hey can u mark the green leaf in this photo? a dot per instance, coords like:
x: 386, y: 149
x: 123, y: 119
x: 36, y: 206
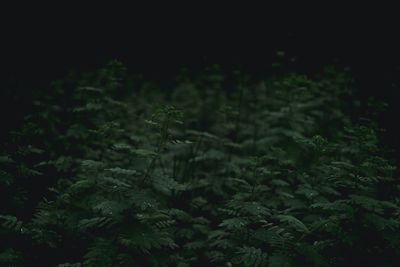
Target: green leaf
x: 294, y: 222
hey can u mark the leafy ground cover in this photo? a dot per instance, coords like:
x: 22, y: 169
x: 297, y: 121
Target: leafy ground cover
x: 110, y: 172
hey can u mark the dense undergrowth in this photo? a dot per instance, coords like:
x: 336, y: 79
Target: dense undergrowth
x: 274, y: 173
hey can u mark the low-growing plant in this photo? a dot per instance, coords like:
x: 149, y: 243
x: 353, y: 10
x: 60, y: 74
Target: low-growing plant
x: 273, y: 173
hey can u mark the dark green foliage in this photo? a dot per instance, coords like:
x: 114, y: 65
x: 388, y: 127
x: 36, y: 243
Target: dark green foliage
x: 270, y: 174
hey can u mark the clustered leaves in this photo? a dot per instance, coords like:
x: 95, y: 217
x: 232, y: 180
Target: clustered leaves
x: 108, y: 172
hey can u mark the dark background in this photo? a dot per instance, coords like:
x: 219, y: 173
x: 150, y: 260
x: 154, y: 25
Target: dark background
x: 32, y: 58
